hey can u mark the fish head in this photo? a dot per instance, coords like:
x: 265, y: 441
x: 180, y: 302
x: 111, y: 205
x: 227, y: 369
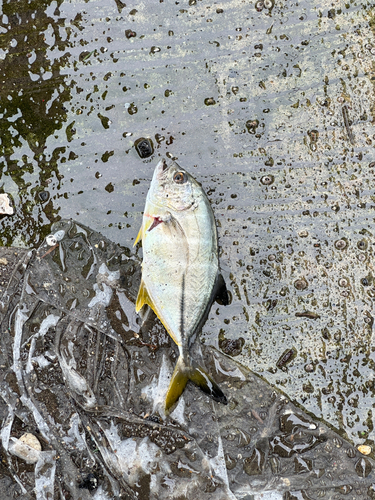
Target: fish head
x: 174, y: 189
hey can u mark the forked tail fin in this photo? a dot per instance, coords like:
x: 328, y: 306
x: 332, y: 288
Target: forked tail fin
x: 181, y: 374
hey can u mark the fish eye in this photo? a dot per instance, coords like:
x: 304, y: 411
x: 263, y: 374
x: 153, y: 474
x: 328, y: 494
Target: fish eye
x: 180, y: 177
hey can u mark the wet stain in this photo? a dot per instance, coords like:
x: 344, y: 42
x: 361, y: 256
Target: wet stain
x: 155, y: 50
x: 252, y: 125
x: 345, y: 114
x: 32, y: 109
x: 363, y: 467
x: 232, y: 347
x: 291, y: 422
x: 104, y: 120
x: 209, y: 101
x: 286, y: 358
x: 130, y: 34
x: 267, y: 180
x: 301, y: 284
x: 90, y: 482
x: 230, y: 462
x: 341, y: 244
x: 302, y: 465
x: 362, y: 245
x: 254, y: 464
x: 308, y: 314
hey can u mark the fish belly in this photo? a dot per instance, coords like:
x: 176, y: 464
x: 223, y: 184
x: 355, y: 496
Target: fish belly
x: 179, y: 272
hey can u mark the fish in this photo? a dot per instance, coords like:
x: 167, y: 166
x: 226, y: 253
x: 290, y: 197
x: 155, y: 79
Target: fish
x: 181, y: 277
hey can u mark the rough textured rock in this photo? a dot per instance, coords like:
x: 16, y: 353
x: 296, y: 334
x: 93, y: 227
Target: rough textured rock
x: 82, y: 375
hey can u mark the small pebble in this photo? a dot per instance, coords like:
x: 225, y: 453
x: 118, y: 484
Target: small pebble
x: 144, y: 147
x: 27, y: 448
x: 364, y: 449
x: 267, y: 180
x: 341, y: 244
x: 51, y: 240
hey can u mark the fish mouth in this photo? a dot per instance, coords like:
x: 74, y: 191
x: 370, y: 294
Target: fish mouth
x: 164, y: 165
x: 159, y: 178
x: 160, y: 170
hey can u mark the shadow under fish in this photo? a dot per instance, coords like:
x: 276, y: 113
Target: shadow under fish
x: 180, y: 270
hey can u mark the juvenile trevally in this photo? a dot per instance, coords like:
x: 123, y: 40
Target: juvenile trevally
x: 180, y: 269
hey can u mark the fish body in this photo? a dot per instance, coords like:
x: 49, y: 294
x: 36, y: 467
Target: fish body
x: 180, y: 269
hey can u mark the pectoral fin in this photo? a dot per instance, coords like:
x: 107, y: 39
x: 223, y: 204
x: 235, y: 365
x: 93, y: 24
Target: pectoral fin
x: 139, y: 236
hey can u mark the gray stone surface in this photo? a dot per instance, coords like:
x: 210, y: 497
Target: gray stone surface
x: 271, y: 110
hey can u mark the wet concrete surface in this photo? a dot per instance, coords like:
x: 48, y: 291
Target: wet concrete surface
x: 271, y: 109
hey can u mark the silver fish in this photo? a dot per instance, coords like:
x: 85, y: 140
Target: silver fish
x: 180, y: 269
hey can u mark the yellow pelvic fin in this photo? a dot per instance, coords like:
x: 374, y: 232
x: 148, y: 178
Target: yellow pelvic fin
x: 143, y: 298
x: 139, y: 236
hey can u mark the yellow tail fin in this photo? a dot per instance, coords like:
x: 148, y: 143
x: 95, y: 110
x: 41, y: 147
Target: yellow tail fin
x: 181, y: 374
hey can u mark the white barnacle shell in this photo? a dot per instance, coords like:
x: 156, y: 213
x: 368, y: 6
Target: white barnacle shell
x: 51, y: 240
x: 5, y: 206
x: 27, y: 447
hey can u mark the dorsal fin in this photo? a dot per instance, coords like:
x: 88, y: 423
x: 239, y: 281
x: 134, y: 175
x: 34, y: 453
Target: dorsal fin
x: 221, y: 292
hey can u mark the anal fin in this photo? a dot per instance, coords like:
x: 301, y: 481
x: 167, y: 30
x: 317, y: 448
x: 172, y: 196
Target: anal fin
x: 143, y: 298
